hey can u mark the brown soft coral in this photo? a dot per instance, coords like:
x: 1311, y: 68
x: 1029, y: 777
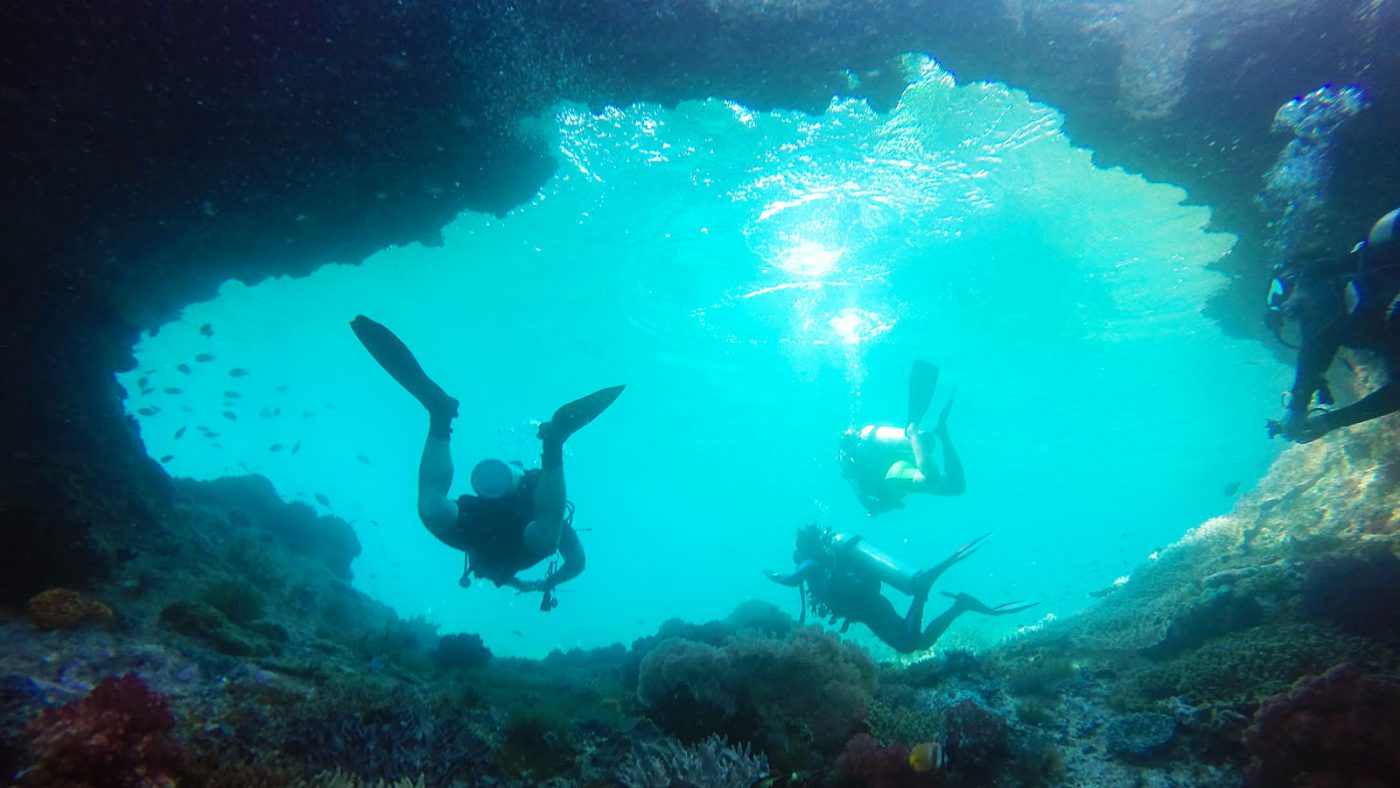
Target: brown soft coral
x: 64, y: 608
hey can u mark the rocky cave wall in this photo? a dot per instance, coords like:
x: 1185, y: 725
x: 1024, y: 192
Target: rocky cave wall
x: 155, y: 149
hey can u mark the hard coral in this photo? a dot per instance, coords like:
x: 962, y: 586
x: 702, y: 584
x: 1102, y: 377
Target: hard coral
x: 1337, y: 729
x: 64, y: 608
x: 120, y: 735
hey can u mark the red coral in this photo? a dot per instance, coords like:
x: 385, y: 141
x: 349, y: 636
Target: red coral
x: 873, y: 766
x: 1334, y: 730
x: 120, y: 735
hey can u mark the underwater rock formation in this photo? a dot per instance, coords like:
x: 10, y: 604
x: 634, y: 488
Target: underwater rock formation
x: 64, y: 608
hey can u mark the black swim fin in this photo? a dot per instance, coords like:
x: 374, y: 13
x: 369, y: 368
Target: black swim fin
x: 396, y: 359
x: 571, y: 417
x: 923, y: 382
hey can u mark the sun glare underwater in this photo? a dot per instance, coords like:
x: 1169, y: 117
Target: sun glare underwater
x: 761, y: 282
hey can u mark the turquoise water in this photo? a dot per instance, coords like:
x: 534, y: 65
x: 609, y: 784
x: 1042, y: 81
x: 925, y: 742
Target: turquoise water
x: 760, y: 281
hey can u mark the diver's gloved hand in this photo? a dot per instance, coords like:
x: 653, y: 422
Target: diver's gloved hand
x: 1299, y: 427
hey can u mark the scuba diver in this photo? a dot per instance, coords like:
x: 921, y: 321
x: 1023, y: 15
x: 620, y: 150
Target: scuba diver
x: 842, y: 575
x: 1351, y: 303
x: 884, y: 464
x: 518, y: 517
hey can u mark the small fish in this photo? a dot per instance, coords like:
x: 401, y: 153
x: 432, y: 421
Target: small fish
x: 330, y: 406
x: 232, y: 395
x: 180, y: 433
x: 306, y: 414
x: 207, y: 330
x: 210, y: 434
x: 184, y: 369
x: 230, y: 415
x: 362, y: 459
x: 204, y: 358
x: 146, y: 391
x: 186, y: 409
x: 1232, y: 488
x: 151, y: 411
x: 167, y: 458
x: 142, y: 382
x: 153, y: 332
x: 296, y: 447
x: 926, y: 757
x: 238, y: 372
x: 216, y: 445
x: 276, y: 447
x: 322, y: 499
x: 517, y: 633
x: 282, y: 389
x: 374, y: 523
x: 173, y: 390
x: 268, y: 413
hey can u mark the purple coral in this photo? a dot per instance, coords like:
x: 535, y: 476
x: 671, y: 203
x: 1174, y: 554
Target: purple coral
x: 1337, y: 729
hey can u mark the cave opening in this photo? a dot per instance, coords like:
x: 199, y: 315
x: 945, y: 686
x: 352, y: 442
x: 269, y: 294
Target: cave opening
x: 761, y: 281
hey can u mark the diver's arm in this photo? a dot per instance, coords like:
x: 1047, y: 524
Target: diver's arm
x: 1322, y: 320
x: 797, y: 576
x: 1383, y: 401
x: 571, y: 550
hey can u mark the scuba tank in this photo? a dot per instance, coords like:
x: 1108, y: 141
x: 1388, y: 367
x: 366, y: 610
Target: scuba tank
x: 855, y: 552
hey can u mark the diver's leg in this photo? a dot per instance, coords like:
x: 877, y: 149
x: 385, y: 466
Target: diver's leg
x: 939, y: 625
x: 435, y: 509
x: 952, y: 481
x: 878, y: 614
x: 542, y: 533
x: 928, y: 472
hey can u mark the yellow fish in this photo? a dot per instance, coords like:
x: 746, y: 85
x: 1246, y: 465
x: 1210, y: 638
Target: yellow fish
x: 926, y: 757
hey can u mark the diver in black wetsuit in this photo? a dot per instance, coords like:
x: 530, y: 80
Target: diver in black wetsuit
x: 518, y: 517
x: 885, y: 463
x: 842, y: 575
x: 1355, y: 304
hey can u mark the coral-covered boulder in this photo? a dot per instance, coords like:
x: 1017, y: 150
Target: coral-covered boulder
x: 1337, y: 729
x: 64, y: 608
x: 1359, y: 592
x: 120, y: 735
x: 866, y: 762
x: 462, y: 650
x: 975, y: 737
x: 1141, y: 736
x: 791, y: 697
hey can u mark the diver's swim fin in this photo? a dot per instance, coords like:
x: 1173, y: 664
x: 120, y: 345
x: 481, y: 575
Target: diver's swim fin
x: 396, y: 359
x: 571, y: 417
x: 923, y: 382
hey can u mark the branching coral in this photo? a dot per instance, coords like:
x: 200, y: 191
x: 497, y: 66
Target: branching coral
x: 120, y: 735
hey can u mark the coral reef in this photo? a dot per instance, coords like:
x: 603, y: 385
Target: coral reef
x: 1339, y: 728
x: 874, y: 765
x: 64, y: 608
x: 710, y: 763
x: 792, y: 697
x: 120, y: 735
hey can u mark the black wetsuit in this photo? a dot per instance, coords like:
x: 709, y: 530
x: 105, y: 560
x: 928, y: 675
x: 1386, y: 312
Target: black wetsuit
x: 491, y: 531
x: 1327, y: 324
x: 855, y: 597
